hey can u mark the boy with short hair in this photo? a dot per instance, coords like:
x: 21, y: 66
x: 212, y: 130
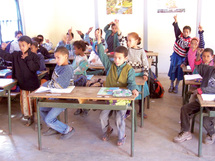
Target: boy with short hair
x: 119, y: 74
x: 181, y: 47
x: 207, y: 86
x: 14, y: 46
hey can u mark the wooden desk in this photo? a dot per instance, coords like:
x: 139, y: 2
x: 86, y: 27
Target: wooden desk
x: 81, y: 93
x: 185, y: 70
x: 154, y: 63
x: 42, y: 74
x: 6, y: 85
x: 96, y: 67
x: 186, y: 84
x: 139, y: 81
x: 210, y: 114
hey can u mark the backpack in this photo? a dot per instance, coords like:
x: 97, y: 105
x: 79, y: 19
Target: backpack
x: 156, y: 89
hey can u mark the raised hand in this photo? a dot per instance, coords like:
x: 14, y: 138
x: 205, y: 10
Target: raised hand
x: 200, y: 27
x: 90, y: 29
x: 175, y: 18
x: 4, y: 45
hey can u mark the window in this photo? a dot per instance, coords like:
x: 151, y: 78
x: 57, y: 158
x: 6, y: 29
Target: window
x: 10, y: 19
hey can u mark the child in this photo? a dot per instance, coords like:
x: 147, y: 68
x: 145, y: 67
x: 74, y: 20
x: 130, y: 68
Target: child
x: 207, y: 86
x: 138, y: 60
x: 14, y: 46
x: 48, y: 45
x: 61, y: 76
x: 112, y: 36
x: 181, y: 47
x: 191, y: 55
x: 25, y: 65
x: 67, y: 42
x: 80, y: 65
x: 119, y: 74
x: 34, y: 49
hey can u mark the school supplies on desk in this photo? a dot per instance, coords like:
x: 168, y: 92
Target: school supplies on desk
x: 208, y: 97
x: 89, y: 77
x: 192, y: 77
x: 3, y: 72
x: 122, y: 93
x: 107, y: 91
x: 55, y: 90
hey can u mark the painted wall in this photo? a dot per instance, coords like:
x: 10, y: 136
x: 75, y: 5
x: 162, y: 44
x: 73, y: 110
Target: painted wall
x: 53, y: 18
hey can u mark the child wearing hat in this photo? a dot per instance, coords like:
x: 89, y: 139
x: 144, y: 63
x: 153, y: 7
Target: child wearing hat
x: 25, y: 65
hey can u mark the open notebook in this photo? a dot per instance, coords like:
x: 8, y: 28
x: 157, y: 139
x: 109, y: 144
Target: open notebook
x: 55, y: 90
x: 192, y: 77
x: 208, y: 97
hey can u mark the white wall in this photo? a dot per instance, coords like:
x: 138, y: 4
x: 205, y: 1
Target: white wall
x: 53, y: 18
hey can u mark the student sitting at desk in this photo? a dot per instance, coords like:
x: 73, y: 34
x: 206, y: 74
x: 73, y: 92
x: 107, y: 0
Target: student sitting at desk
x: 80, y: 65
x: 207, y: 86
x: 48, y: 45
x: 25, y: 65
x: 61, y: 76
x: 119, y: 74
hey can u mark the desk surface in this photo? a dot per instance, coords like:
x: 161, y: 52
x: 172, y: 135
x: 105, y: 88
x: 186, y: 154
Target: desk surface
x: 205, y: 103
x: 185, y: 70
x: 96, y: 66
x: 151, y: 54
x: 4, y: 82
x: 138, y: 80
x: 79, y: 93
x: 191, y: 82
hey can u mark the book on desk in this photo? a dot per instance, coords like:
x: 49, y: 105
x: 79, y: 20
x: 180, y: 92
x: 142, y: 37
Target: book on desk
x: 114, y: 91
x: 55, y: 90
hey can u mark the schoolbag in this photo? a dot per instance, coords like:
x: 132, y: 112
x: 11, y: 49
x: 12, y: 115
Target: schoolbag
x: 156, y: 89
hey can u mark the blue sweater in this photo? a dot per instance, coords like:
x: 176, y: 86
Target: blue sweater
x: 60, y: 77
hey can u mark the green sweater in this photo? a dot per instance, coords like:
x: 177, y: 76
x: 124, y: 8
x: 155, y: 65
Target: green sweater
x: 131, y: 84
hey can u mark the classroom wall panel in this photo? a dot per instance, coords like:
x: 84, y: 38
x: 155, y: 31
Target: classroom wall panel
x: 161, y: 32
x: 53, y: 18
x: 208, y: 23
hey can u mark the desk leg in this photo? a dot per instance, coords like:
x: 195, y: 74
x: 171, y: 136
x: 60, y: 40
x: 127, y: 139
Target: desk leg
x: 182, y: 94
x: 156, y: 72
x: 66, y: 116
x: 148, y: 99
x: 38, y: 125
x: 132, y: 129
x: 142, y: 107
x: 200, y: 132
x: 9, y: 112
x: 185, y: 94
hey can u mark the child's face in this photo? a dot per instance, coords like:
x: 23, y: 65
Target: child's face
x: 114, y: 29
x: 18, y: 36
x: 194, y: 44
x: 61, y: 59
x: 131, y: 42
x: 24, y: 46
x: 34, y: 49
x: 77, y: 50
x: 119, y: 58
x: 96, y: 34
x: 206, y: 57
x: 186, y: 32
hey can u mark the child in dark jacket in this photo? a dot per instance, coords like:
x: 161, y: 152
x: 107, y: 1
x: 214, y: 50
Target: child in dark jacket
x: 25, y: 65
x: 207, y: 86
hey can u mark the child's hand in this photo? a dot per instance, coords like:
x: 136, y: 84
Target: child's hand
x: 200, y: 28
x: 145, y: 77
x: 99, y: 36
x: 4, y: 45
x: 24, y: 55
x: 175, y: 18
x: 70, y: 31
x: 90, y: 29
x: 79, y: 32
x: 199, y: 51
x: 111, y: 23
x: 106, y: 50
x: 135, y: 93
x: 182, y: 65
x: 93, y: 61
x: 116, y: 22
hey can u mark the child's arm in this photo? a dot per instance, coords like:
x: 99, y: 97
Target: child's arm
x: 33, y: 62
x: 103, y: 57
x: 80, y: 33
x: 118, y: 29
x: 131, y: 82
x: 6, y: 56
x: 107, y: 27
x: 145, y: 66
x: 201, y: 38
x: 176, y: 28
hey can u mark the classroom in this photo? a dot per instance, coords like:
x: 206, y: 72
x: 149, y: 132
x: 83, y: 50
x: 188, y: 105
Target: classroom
x: 60, y: 60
